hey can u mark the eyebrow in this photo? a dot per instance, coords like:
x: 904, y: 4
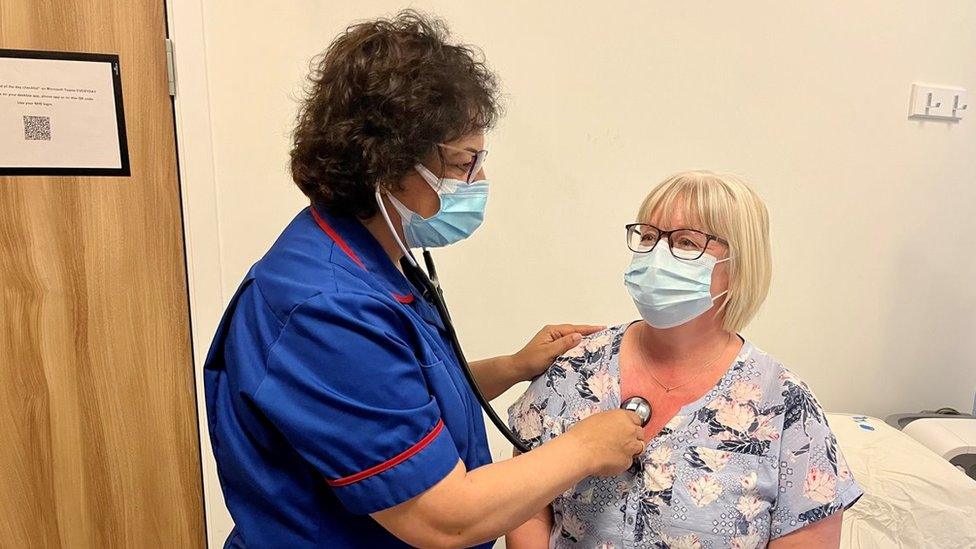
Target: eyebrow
x: 469, y: 149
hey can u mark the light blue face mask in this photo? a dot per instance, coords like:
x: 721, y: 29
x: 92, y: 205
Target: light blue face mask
x: 461, y: 213
x: 668, y: 291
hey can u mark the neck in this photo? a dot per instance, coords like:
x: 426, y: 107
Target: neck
x: 377, y: 227
x: 688, y: 344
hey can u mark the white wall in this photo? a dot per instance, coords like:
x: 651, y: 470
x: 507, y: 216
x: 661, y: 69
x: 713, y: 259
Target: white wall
x: 872, y: 214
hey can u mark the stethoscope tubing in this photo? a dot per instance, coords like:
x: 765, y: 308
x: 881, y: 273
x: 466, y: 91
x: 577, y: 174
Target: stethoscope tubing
x: 432, y: 292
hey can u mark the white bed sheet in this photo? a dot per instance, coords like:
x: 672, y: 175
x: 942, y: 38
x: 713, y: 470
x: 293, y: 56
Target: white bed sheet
x: 912, y: 497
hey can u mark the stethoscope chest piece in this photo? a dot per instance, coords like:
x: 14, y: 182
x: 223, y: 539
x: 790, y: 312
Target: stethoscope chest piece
x: 640, y: 406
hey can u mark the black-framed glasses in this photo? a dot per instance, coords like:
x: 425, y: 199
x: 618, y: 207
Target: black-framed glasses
x: 687, y: 244
x: 471, y: 165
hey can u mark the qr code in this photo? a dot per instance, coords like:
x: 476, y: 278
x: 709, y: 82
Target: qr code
x: 37, y: 128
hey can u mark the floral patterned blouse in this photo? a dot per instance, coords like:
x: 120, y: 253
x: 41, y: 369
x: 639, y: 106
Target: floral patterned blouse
x: 751, y: 460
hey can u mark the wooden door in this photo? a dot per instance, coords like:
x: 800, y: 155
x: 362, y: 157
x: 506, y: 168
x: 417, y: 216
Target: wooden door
x: 98, y: 435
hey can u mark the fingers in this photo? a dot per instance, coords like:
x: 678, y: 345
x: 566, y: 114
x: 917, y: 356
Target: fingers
x: 636, y: 448
x: 639, y: 433
x: 566, y: 336
x: 582, y: 329
x: 564, y: 344
x: 636, y: 419
x: 586, y: 329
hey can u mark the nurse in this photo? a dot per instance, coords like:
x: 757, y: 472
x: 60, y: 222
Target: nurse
x: 338, y: 413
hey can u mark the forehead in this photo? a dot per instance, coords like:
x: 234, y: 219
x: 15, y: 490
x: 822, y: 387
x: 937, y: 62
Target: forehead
x: 674, y: 216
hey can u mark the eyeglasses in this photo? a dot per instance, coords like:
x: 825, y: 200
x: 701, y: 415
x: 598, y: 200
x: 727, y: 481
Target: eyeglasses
x: 687, y: 244
x: 472, y: 164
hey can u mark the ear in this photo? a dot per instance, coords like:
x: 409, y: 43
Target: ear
x: 433, y: 161
x: 388, y: 207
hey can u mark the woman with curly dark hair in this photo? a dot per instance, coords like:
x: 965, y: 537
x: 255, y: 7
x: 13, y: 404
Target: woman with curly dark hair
x: 338, y: 412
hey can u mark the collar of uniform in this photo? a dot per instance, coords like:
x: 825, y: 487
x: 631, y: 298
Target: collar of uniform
x: 352, y: 237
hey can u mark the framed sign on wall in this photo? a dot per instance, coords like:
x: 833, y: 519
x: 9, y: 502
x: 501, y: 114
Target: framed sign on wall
x: 61, y: 114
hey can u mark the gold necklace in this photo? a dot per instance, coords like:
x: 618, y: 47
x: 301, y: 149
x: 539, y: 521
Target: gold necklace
x: 701, y: 370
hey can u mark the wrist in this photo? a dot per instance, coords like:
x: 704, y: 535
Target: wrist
x: 513, y: 368
x: 572, y: 444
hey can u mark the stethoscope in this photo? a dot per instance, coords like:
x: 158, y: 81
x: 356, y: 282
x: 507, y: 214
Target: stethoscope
x: 430, y: 289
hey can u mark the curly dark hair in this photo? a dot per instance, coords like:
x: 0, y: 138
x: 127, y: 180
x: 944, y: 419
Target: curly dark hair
x: 379, y: 99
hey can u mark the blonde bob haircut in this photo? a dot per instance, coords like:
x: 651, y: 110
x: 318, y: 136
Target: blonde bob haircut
x: 724, y: 206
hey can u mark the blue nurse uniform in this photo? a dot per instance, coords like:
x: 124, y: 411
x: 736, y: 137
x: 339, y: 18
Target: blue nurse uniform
x: 332, y: 392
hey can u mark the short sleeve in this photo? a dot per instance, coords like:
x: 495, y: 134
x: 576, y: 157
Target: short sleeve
x: 536, y: 416
x: 814, y: 480
x: 525, y: 417
x: 350, y: 397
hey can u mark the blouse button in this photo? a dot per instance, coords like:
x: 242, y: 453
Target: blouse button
x: 630, y: 521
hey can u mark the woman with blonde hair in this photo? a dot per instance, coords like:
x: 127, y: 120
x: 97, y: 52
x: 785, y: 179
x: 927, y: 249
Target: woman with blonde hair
x: 740, y: 453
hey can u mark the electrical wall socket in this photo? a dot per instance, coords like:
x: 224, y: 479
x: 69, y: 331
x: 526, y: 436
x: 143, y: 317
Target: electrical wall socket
x: 938, y: 102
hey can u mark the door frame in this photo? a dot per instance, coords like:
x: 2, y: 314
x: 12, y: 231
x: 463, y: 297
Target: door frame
x: 186, y: 28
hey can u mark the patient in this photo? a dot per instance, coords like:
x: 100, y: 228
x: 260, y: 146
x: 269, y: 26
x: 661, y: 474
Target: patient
x: 740, y: 453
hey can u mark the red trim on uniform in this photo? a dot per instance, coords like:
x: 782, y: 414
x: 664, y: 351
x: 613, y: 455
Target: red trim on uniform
x: 338, y: 239
x: 390, y: 463
x: 403, y: 298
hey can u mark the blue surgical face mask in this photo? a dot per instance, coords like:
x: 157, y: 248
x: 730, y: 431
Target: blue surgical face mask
x: 461, y: 213
x: 668, y: 291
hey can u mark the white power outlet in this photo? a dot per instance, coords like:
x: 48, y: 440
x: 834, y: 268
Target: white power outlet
x: 938, y: 102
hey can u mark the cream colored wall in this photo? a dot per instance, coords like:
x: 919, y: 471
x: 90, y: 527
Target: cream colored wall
x: 872, y: 214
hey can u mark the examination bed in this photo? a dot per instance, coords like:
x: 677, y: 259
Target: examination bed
x: 912, y: 497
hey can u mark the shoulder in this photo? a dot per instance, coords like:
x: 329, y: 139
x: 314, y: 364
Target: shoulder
x: 341, y: 339
x: 302, y: 270
x: 592, y: 350
x: 762, y: 406
x: 784, y: 395
x: 574, y: 368
x: 365, y: 322
x: 577, y: 384
x: 777, y: 383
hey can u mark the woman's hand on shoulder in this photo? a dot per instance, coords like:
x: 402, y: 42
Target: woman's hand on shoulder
x: 547, y: 345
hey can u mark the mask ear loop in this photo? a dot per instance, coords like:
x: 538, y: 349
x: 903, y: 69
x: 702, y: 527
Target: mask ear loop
x: 396, y: 236
x: 428, y: 176
x: 726, y: 293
